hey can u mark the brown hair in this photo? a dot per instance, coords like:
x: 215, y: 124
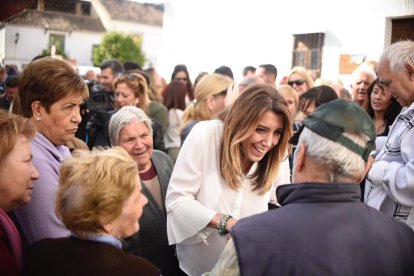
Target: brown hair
x: 48, y: 80
x: 174, y: 95
x: 138, y: 84
x: 11, y: 126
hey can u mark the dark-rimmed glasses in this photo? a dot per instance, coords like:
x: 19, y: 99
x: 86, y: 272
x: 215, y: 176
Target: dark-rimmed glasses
x: 296, y: 82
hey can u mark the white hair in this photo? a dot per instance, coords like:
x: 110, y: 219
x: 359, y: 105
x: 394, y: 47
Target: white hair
x: 398, y: 54
x: 123, y: 117
x: 363, y: 68
x: 340, y: 164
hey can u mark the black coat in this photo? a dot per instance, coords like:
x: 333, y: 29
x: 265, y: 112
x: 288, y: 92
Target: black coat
x: 73, y: 256
x: 323, y: 229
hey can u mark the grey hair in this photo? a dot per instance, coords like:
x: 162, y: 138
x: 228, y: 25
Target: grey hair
x: 123, y: 117
x: 363, y: 68
x: 398, y: 54
x: 340, y: 164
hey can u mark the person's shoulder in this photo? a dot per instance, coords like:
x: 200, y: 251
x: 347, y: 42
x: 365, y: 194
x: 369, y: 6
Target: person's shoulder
x: 48, y: 244
x: 154, y: 105
x: 209, y: 124
x: 43, y: 149
x: 158, y: 154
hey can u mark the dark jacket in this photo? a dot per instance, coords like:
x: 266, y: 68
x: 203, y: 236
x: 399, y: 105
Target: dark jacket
x: 323, y: 229
x: 151, y: 241
x: 73, y: 256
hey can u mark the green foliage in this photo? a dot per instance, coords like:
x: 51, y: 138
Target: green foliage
x: 120, y: 46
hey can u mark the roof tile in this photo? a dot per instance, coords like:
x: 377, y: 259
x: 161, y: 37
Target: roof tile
x: 56, y: 21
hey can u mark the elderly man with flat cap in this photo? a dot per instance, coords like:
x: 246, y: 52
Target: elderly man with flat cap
x: 322, y: 227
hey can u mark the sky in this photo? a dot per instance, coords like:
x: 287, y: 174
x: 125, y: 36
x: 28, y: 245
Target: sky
x: 206, y: 34
x: 221, y: 34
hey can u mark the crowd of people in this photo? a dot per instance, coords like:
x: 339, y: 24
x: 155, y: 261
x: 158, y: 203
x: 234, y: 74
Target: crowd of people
x: 122, y: 173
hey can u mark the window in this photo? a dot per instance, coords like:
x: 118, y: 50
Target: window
x: 402, y: 29
x: 58, y: 41
x: 307, y: 51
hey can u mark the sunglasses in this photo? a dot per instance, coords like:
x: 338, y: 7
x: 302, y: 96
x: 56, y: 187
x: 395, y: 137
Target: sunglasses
x: 129, y: 76
x: 180, y: 79
x: 296, y: 82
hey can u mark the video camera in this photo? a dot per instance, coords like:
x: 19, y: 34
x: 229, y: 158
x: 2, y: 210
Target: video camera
x: 99, y: 99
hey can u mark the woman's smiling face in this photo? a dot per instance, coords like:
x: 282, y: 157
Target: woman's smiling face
x: 265, y: 136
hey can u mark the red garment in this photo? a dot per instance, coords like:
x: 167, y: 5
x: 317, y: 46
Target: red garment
x: 10, y: 246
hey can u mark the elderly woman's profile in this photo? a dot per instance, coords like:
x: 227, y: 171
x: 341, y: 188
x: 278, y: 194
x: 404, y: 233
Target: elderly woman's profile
x: 100, y: 201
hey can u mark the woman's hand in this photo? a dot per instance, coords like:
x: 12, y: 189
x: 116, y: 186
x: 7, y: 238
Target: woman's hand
x: 230, y: 223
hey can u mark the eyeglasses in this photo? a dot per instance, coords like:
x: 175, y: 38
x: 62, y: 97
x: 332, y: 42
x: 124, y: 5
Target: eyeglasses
x: 296, y: 82
x: 181, y: 79
x: 222, y: 93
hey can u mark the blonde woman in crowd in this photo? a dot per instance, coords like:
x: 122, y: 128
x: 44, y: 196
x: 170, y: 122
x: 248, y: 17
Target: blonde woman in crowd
x: 300, y: 80
x: 291, y: 98
x: 226, y: 171
x: 210, y: 95
x: 132, y: 89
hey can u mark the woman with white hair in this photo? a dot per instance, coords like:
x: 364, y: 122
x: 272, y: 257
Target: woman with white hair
x: 131, y: 129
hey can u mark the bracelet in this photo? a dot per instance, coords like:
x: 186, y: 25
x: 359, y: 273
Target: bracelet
x: 221, y: 224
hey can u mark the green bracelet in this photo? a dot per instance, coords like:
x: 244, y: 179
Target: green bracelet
x: 221, y: 224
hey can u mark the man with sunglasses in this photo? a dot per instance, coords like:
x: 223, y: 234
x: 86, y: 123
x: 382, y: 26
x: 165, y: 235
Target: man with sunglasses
x: 390, y: 181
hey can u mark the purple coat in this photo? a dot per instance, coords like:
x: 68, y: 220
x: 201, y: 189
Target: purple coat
x: 38, y: 219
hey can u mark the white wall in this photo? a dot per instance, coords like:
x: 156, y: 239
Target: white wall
x: 78, y: 45
x: 31, y: 43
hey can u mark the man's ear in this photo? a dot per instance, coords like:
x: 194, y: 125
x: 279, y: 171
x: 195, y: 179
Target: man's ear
x: 300, y: 157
